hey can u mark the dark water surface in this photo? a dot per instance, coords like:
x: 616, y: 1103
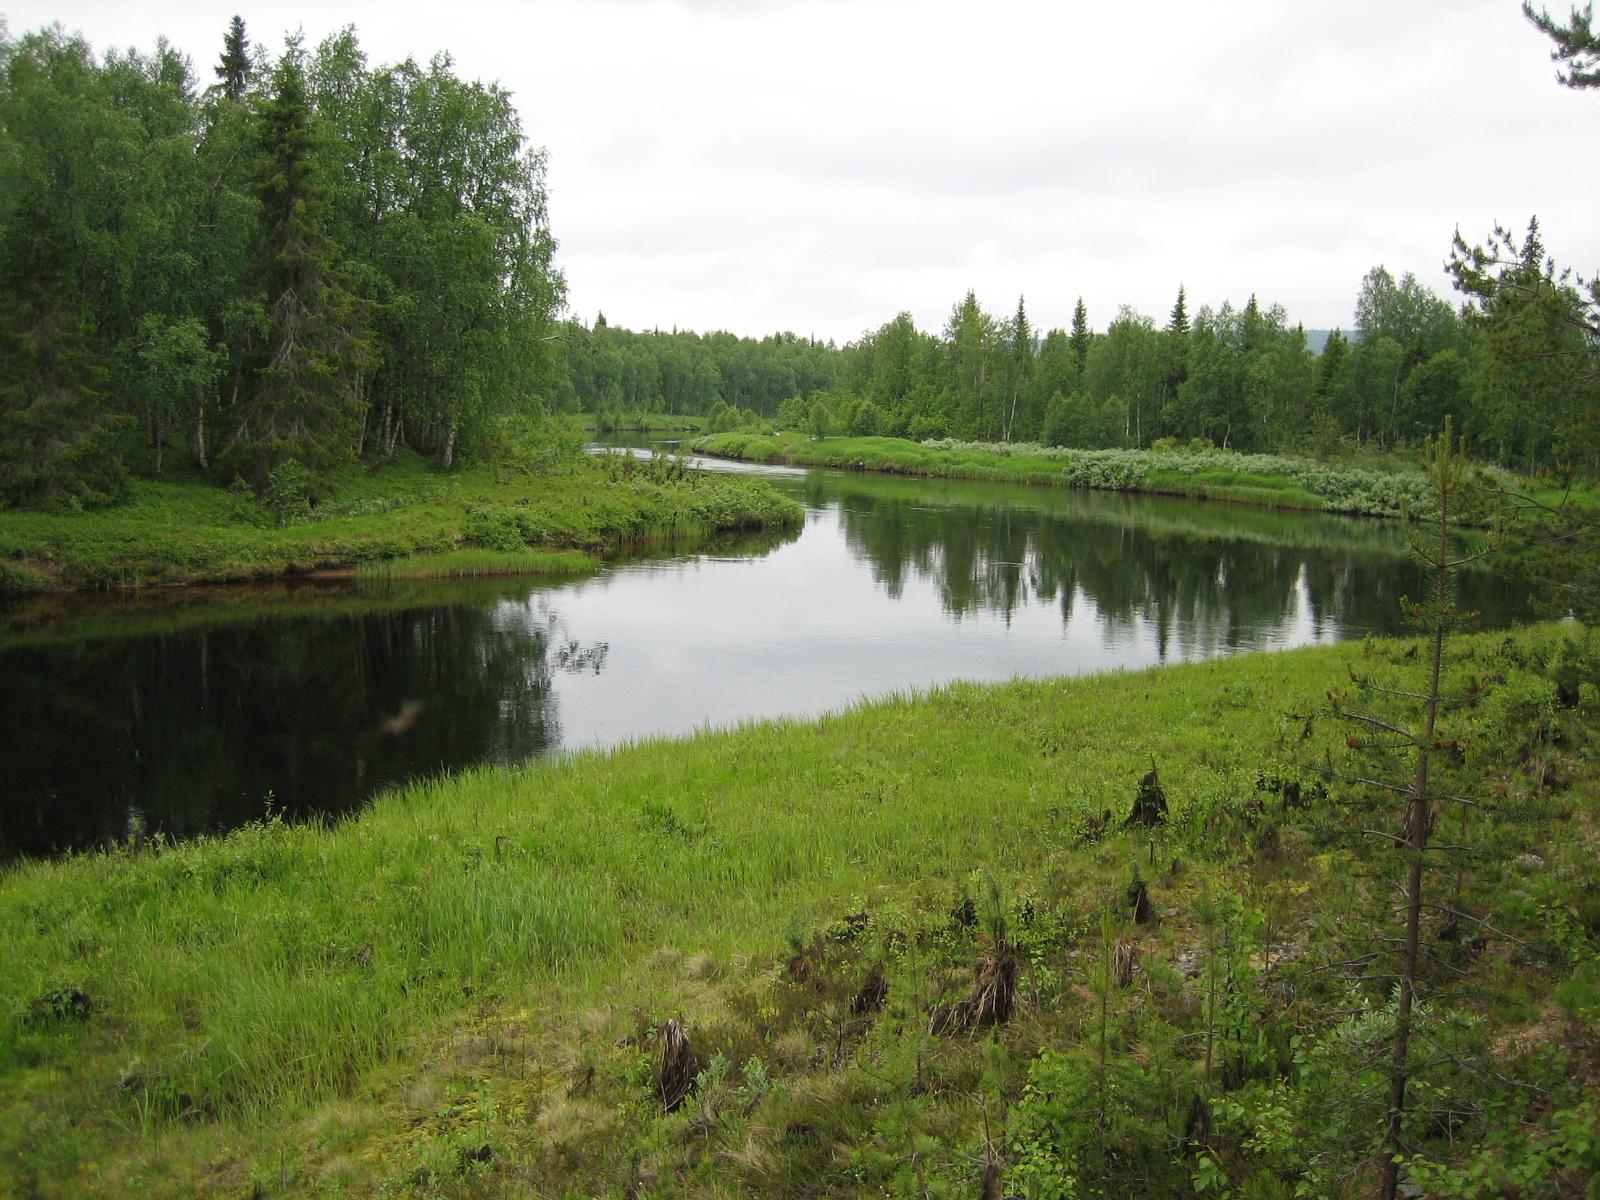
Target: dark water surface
x: 184, y: 712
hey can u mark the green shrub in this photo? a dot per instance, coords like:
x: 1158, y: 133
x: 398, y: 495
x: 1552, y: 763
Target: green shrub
x: 496, y: 528
x: 288, y: 493
x: 524, y: 444
x: 18, y: 580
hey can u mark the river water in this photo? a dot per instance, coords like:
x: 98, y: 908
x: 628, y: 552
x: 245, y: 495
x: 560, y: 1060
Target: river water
x: 193, y: 711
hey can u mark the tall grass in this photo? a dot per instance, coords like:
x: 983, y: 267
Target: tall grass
x: 468, y: 564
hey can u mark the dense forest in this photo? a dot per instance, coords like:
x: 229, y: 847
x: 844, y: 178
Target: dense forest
x: 308, y: 260
x: 291, y: 262
x: 1515, y: 366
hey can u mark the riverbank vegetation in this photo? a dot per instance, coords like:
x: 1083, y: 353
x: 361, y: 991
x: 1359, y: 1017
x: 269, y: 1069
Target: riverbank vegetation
x: 469, y: 564
x: 1193, y: 471
x: 1071, y: 937
x: 1513, y: 367
x: 185, y: 530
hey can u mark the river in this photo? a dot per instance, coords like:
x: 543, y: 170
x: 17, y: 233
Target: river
x: 195, y: 710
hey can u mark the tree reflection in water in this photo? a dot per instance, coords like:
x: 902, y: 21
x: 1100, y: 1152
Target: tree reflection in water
x: 181, y: 714
x: 187, y: 732
x: 1201, y: 579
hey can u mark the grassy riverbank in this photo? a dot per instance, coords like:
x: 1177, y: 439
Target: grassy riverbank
x: 188, y: 530
x: 1271, y: 480
x: 461, y: 992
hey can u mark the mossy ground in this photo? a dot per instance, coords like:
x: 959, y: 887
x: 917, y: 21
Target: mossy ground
x: 187, y: 530
x: 460, y: 992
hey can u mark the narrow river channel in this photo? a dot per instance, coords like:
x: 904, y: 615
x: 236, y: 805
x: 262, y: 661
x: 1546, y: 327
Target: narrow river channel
x: 189, y: 712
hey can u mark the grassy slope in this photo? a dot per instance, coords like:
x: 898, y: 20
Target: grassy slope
x: 186, y: 531
x: 456, y: 993
x: 1271, y: 480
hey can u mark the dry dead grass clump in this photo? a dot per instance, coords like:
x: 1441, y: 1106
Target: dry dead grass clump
x: 1123, y: 958
x: 992, y: 997
x: 1149, y: 802
x: 793, y: 1049
x: 676, y: 1073
x: 873, y: 992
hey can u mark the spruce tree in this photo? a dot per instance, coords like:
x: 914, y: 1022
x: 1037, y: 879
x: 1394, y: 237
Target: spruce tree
x: 1079, y: 337
x: 305, y: 404
x: 1409, y: 756
x: 1577, y: 45
x: 1178, y: 323
x: 234, y: 69
x: 1175, y: 366
x: 1334, y: 352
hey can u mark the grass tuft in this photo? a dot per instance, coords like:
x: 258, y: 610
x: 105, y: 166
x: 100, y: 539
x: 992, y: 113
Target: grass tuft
x: 467, y: 564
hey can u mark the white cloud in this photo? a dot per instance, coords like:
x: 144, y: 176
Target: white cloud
x: 820, y: 167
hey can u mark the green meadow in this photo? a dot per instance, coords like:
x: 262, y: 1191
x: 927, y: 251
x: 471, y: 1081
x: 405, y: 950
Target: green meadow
x: 465, y: 990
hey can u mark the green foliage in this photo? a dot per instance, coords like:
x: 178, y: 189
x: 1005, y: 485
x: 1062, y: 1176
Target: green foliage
x: 17, y: 580
x: 327, y: 260
x: 1193, y: 469
x: 1078, y: 1131
x: 233, y: 71
x: 187, y: 530
x: 465, y: 564
x: 1577, y: 46
x: 304, y: 405
x: 288, y: 493
x: 722, y: 419
x: 468, y: 950
x: 819, y: 418
x: 525, y: 445
x: 1540, y: 402
x: 312, y: 269
x: 1511, y: 1164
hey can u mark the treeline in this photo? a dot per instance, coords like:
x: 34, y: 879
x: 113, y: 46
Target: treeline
x: 610, y: 370
x: 1515, y: 367
x: 297, y: 262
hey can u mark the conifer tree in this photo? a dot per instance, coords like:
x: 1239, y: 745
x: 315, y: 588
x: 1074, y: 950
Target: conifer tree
x: 1079, y: 337
x: 234, y: 69
x: 1391, y: 740
x: 1175, y: 364
x: 59, y: 443
x: 1178, y: 323
x: 305, y: 403
x: 1334, y: 352
x: 1577, y: 45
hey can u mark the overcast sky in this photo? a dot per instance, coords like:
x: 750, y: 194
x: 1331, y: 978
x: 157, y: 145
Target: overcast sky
x: 756, y: 165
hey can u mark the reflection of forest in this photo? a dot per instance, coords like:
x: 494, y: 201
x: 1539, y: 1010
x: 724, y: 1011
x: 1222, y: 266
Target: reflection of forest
x: 190, y: 732
x: 180, y: 711
x: 1195, y: 589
